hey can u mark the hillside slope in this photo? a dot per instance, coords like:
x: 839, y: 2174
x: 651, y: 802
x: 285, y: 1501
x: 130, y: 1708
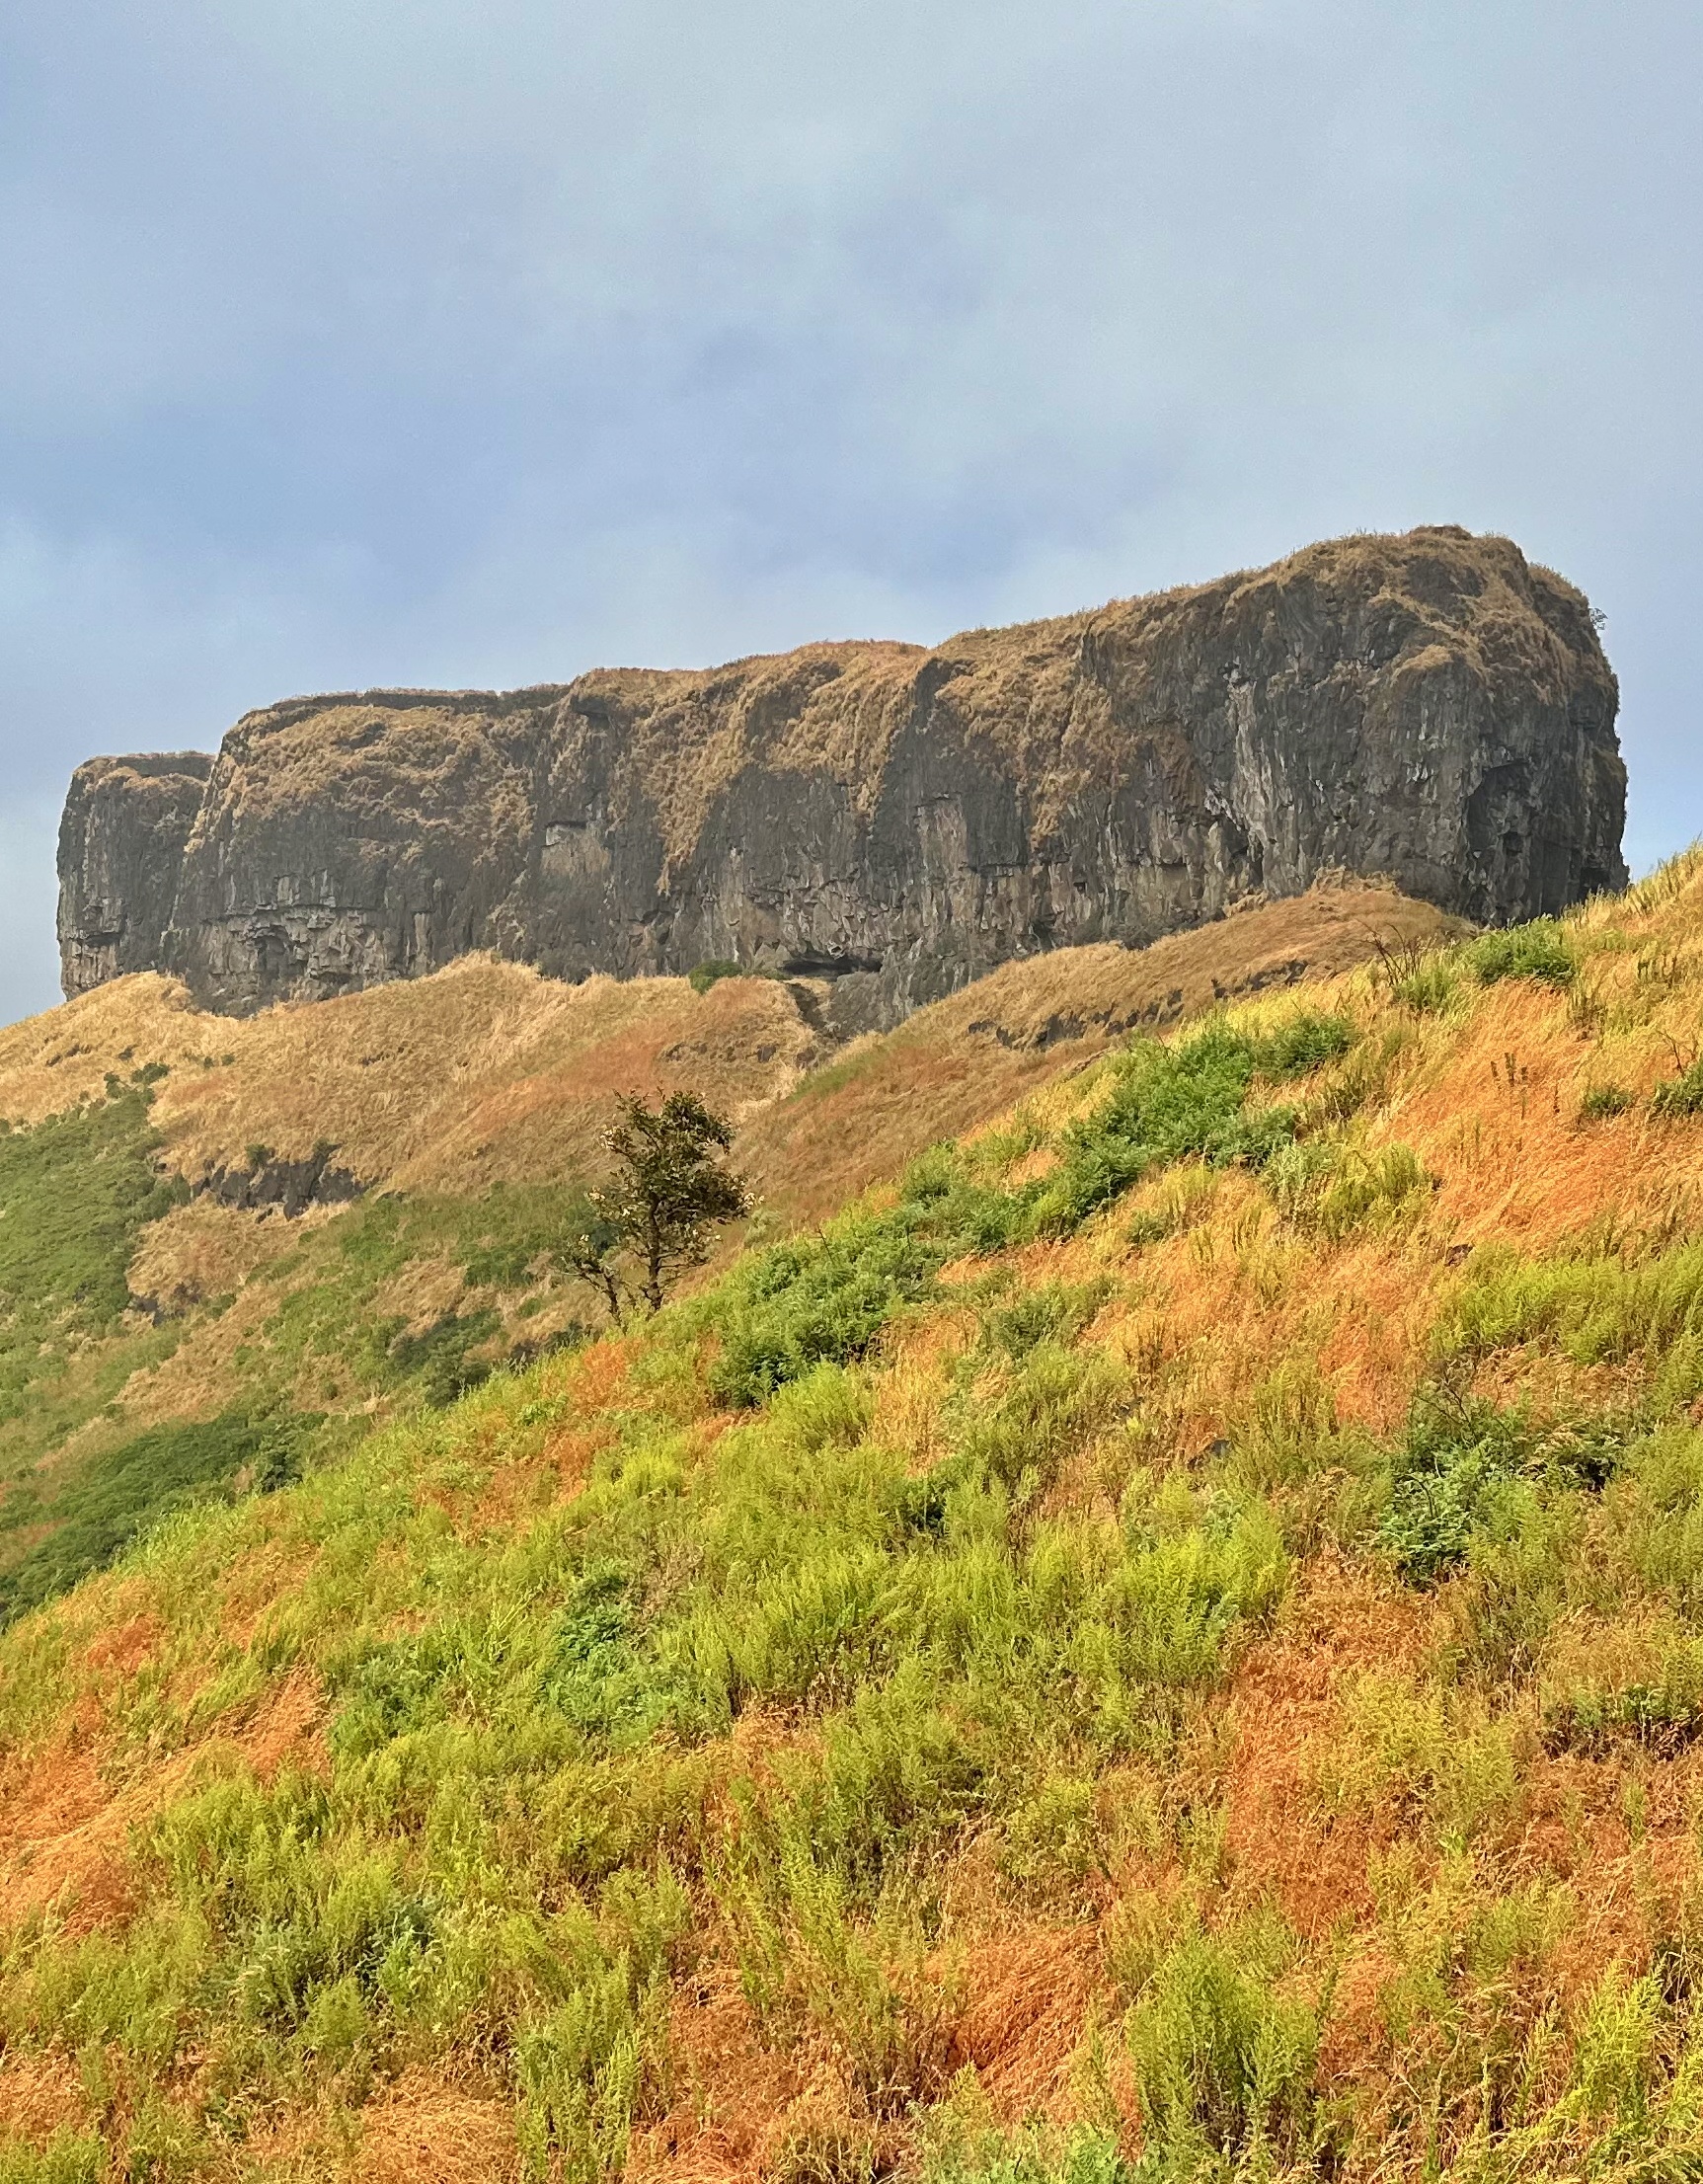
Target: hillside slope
x: 266, y: 1234
x: 1168, y: 1632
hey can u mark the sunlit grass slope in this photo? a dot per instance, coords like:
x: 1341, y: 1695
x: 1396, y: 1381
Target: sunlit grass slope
x: 173, y: 1325
x: 1165, y: 1640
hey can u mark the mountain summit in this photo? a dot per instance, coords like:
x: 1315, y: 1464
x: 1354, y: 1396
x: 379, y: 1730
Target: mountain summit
x: 1431, y: 707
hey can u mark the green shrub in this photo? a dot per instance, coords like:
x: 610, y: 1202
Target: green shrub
x: 1681, y: 1095
x: 66, y: 2159
x: 1222, y: 2065
x: 1427, y: 988
x: 706, y: 974
x: 583, y: 2070
x: 1605, y: 1101
x: 1538, y: 951
x: 825, y: 1298
x: 1331, y: 1189
x: 1035, y: 2155
x: 1662, y: 1718
x: 1596, y: 1309
x: 1166, y: 1103
x: 1305, y: 1043
x: 1458, y: 1452
x: 1461, y: 1461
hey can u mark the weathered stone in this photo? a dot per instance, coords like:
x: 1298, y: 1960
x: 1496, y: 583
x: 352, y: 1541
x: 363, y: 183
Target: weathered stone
x: 895, y: 821
x: 120, y: 853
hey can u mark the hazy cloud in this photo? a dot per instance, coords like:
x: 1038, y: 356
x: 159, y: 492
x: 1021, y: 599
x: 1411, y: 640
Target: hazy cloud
x: 441, y: 343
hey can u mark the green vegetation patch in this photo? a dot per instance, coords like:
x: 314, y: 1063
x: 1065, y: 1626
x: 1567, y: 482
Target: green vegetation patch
x: 1466, y: 1467
x: 116, y: 1498
x: 1540, y: 951
x: 703, y: 975
x: 76, y: 1192
x: 827, y: 1298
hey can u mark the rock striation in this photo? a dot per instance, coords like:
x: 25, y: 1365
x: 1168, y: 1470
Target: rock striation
x: 122, y: 842
x: 1429, y: 706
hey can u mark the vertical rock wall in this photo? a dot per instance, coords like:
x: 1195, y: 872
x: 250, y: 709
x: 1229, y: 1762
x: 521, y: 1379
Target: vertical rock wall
x: 1429, y: 706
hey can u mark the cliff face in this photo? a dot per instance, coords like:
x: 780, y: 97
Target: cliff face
x: 120, y: 854
x: 1429, y: 707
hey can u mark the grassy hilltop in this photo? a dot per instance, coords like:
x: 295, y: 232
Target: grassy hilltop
x: 1164, y: 1639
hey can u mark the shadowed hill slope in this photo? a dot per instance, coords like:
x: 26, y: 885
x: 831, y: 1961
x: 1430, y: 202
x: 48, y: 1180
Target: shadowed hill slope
x: 1165, y: 1640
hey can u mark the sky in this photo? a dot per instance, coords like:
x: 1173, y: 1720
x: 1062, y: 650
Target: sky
x: 477, y: 343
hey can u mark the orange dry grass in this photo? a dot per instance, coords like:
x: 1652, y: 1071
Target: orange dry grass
x: 961, y: 1064
x: 1283, y: 1845
x: 1513, y: 1162
x: 1034, y: 1992
x: 39, y: 2094
x: 1208, y: 1322
x: 917, y: 1377
x: 48, y: 1063
x: 735, y: 2097
x: 64, y: 1826
x: 425, y: 2130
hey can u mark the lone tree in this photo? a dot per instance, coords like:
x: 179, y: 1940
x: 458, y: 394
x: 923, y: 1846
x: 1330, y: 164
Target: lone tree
x: 668, y: 1192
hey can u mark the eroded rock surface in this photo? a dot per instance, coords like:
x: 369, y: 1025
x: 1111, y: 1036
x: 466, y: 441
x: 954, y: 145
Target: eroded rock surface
x: 120, y: 857
x: 896, y: 820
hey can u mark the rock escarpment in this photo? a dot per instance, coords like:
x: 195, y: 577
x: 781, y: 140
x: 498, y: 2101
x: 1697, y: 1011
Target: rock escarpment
x: 1429, y: 707
x: 120, y: 856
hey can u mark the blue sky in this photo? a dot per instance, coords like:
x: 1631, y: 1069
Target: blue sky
x: 433, y: 342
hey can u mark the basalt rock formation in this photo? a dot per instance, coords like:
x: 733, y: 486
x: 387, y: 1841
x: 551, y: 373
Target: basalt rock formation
x: 1429, y: 706
x: 120, y: 856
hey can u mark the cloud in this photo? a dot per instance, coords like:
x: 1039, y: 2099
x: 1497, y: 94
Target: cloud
x: 477, y: 345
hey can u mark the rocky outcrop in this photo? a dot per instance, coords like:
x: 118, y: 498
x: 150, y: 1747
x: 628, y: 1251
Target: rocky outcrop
x: 1429, y: 706
x: 120, y: 857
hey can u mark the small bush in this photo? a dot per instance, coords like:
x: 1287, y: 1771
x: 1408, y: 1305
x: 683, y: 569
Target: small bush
x: 1605, y: 1101
x: 1461, y: 1460
x: 1222, y: 2065
x: 1537, y: 951
x: 1680, y: 1095
x: 1427, y: 988
x: 1304, y: 1044
x: 1458, y: 1453
x: 706, y: 974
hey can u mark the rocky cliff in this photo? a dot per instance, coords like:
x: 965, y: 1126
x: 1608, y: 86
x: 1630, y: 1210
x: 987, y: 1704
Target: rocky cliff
x: 1431, y: 707
x: 120, y: 856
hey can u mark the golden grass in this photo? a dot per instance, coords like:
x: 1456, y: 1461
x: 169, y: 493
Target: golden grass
x: 428, y: 2129
x: 961, y: 1064
x: 206, y: 1250
x: 485, y: 1072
